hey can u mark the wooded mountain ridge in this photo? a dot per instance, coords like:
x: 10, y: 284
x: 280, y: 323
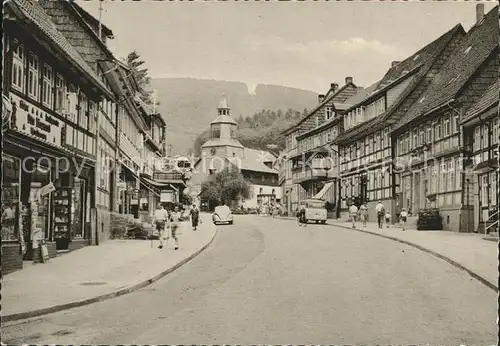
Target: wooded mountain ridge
x: 189, y: 105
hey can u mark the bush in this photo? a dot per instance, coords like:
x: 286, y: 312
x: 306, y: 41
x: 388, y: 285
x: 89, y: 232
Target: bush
x: 429, y: 219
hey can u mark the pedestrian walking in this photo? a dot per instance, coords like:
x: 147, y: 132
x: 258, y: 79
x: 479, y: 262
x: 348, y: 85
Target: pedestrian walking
x: 353, y: 212
x: 175, y: 218
x: 402, y: 218
x: 380, y: 210
x: 160, y: 219
x: 363, y: 213
x: 195, y: 216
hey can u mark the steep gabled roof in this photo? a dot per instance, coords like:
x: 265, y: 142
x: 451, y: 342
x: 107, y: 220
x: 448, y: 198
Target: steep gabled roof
x: 254, y: 160
x: 322, y: 104
x: 473, y: 50
x: 418, y: 65
x: 32, y: 11
x: 91, y: 19
x: 490, y: 98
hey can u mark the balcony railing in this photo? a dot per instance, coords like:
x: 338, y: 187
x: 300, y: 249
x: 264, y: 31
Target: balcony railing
x: 309, y: 174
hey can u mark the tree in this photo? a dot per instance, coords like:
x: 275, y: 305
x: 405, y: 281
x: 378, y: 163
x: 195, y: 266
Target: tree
x: 225, y: 187
x: 141, y: 77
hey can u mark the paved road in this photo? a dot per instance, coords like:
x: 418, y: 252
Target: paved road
x: 268, y: 281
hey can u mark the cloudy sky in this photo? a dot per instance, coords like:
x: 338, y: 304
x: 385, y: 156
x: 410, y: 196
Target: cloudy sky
x: 306, y: 45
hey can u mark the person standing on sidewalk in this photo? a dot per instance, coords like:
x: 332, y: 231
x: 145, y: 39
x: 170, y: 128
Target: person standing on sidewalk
x: 402, y: 218
x: 380, y: 210
x: 175, y: 218
x: 353, y: 211
x: 161, y: 219
x: 363, y: 213
x: 195, y: 216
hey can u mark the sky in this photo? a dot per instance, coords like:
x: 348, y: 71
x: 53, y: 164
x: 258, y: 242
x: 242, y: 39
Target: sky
x: 305, y: 45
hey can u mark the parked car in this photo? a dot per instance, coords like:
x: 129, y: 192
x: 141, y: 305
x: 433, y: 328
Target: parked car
x: 222, y: 214
x: 239, y: 211
x: 315, y: 210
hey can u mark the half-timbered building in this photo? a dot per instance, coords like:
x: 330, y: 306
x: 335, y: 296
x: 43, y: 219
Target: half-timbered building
x: 365, y: 146
x: 50, y: 140
x: 429, y: 138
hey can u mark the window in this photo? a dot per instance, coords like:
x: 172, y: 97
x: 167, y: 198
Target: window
x: 370, y: 145
x: 458, y: 175
x: 485, y: 136
x: 47, y: 89
x: 442, y: 178
x: 387, y: 138
x: 61, y: 101
x: 18, y: 68
x: 33, y: 83
x: 69, y: 135
x: 451, y: 175
x: 437, y: 131
x: 421, y: 140
x: 434, y: 181
x: 317, y: 120
x: 92, y: 116
x: 329, y: 112
x: 215, y: 131
x: 429, y: 138
x: 484, y: 190
x: 455, y: 126
x: 446, y: 127
x: 496, y: 133
x: 493, y: 188
x: 399, y: 145
x: 477, y: 138
x: 377, y: 142
x: 83, y: 116
x: 414, y: 143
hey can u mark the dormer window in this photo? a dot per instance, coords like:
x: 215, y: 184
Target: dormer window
x: 329, y: 112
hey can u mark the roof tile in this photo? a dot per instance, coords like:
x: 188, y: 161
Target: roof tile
x: 34, y: 12
x: 419, y: 62
x: 489, y: 98
x: 459, y: 68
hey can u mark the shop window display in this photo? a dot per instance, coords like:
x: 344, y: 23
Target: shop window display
x: 10, y: 198
x: 39, y: 205
x: 78, y: 194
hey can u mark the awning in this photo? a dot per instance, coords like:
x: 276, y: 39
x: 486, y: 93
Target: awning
x: 323, y: 191
x: 129, y: 169
x: 485, y: 166
x: 158, y: 184
x: 150, y: 189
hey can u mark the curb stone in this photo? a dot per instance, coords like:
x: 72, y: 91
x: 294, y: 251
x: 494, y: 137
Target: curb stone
x: 421, y: 248
x: 121, y: 292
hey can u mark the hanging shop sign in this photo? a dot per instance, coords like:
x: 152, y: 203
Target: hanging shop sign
x: 45, y: 190
x: 166, y: 196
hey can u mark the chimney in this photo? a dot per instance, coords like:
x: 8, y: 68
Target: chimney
x: 394, y: 63
x: 348, y: 80
x: 321, y: 98
x: 333, y: 86
x: 479, y: 12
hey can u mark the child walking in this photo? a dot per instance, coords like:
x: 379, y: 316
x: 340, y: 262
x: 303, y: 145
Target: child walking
x: 387, y: 218
x: 402, y: 218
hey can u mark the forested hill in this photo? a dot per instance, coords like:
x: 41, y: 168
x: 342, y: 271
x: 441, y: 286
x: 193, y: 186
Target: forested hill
x: 259, y: 130
x: 189, y: 105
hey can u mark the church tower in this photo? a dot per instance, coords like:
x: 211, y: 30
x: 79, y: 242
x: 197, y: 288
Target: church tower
x: 222, y: 142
